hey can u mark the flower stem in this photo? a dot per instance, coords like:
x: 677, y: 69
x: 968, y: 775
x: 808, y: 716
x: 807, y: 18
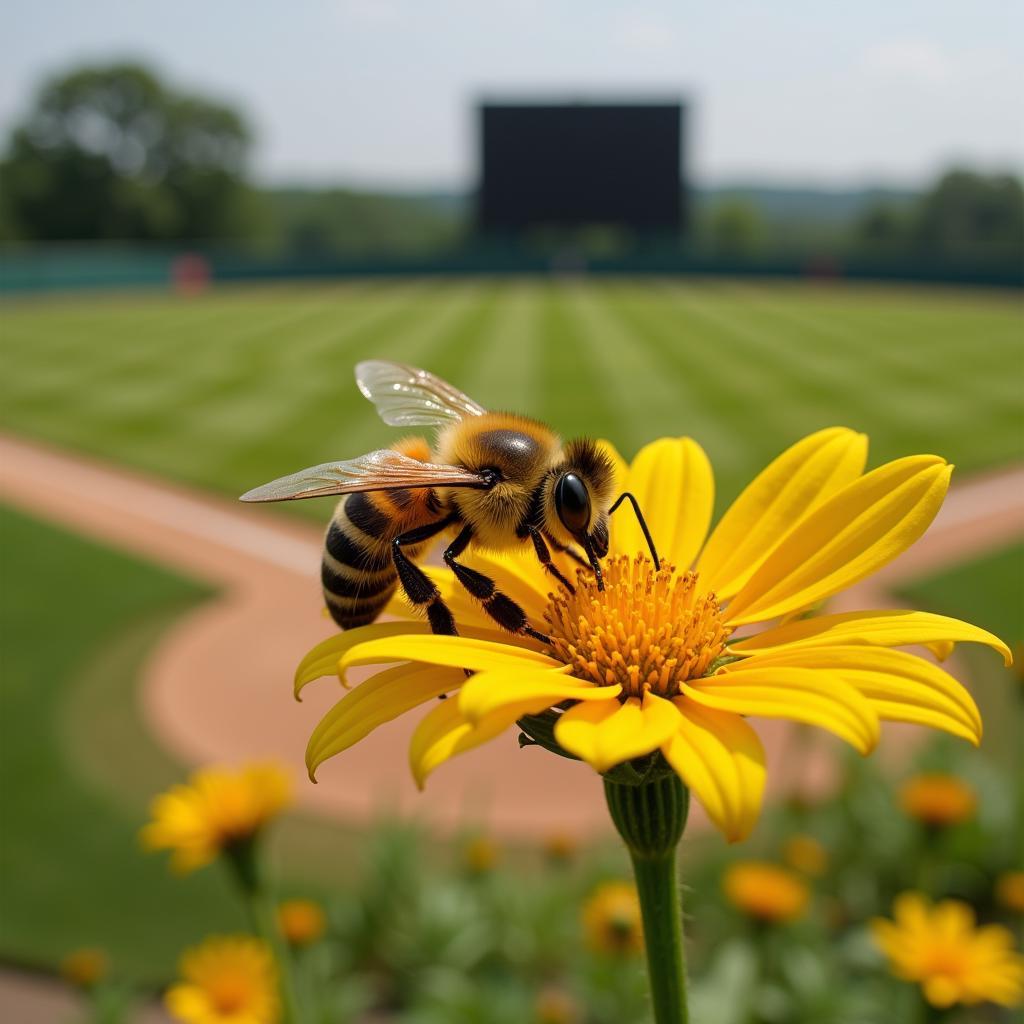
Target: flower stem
x: 245, y: 865
x: 650, y: 818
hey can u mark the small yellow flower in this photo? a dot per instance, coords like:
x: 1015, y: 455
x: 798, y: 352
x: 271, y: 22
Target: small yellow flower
x: 805, y: 854
x: 480, y: 855
x: 214, y: 811
x: 226, y: 980
x: 556, y: 1006
x: 652, y: 662
x: 1010, y: 890
x: 560, y: 847
x: 943, y: 950
x: 765, y: 891
x: 611, y: 919
x: 86, y: 967
x: 301, y: 922
x: 938, y: 800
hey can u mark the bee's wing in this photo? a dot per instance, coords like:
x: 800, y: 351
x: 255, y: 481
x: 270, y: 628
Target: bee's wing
x: 383, y: 470
x: 408, y: 397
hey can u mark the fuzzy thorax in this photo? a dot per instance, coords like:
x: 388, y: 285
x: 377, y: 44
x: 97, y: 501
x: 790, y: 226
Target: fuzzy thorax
x: 646, y: 630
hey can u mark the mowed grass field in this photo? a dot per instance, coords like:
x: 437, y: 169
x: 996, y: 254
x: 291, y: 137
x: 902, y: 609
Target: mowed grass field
x: 229, y: 389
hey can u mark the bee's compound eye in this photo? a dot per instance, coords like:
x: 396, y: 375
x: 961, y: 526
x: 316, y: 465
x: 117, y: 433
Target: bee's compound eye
x: 572, y: 503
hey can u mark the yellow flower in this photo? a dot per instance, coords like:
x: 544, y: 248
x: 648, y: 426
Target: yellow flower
x: 806, y: 854
x: 85, y: 967
x: 611, y: 919
x: 216, y: 810
x: 938, y: 800
x: 651, y: 663
x: 480, y: 855
x: 951, y: 959
x: 301, y: 922
x: 1010, y: 890
x: 765, y: 891
x: 227, y: 980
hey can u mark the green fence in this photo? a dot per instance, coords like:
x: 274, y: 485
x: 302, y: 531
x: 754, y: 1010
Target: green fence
x: 54, y: 267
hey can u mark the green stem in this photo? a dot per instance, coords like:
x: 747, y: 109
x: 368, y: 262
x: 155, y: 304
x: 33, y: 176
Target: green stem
x: 263, y: 921
x: 931, y: 1014
x: 650, y: 818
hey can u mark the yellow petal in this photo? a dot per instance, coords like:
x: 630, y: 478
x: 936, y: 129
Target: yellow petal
x: 445, y: 732
x: 899, y: 686
x: 797, y: 694
x: 799, y: 480
x: 488, y: 692
x: 607, y: 733
x: 721, y: 760
x: 380, y: 699
x: 322, y: 660
x: 895, y: 628
x: 454, y: 651
x: 675, y: 488
x: 860, y: 529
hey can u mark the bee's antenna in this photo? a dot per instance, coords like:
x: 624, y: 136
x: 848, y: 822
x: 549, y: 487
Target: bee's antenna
x: 640, y: 520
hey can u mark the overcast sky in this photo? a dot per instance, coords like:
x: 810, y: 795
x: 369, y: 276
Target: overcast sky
x: 381, y: 91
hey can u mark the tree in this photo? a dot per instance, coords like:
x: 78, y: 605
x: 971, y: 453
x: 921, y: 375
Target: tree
x: 111, y: 152
x: 964, y: 220
x: 736, y: 228
x: 968, y: 217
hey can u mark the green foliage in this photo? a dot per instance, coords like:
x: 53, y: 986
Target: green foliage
x: 345, y: 222
x: 735, y: 228
x: 111, y: 152
x: 964, y: 219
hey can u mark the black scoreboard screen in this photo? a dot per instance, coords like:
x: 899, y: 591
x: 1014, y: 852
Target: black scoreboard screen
x: 581, y: 164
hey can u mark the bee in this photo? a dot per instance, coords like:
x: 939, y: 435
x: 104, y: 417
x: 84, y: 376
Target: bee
x: 494, y: 480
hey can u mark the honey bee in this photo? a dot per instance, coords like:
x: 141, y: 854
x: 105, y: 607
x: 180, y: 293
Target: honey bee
x: 494, y: 480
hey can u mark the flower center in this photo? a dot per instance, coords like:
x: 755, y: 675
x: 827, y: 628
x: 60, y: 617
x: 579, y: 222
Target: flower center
x: 646, y: 630
x: 230, y: 992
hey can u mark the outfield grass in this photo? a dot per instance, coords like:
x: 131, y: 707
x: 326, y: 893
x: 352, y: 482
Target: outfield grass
x: 73, y: 617
x: 241, y: 385
x: 990, y: 593
x: 235, y: 387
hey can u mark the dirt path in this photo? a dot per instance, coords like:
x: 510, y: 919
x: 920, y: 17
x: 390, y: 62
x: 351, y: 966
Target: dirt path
x: 218, y: 686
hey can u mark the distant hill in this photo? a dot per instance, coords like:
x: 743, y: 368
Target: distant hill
x: 775, y: 203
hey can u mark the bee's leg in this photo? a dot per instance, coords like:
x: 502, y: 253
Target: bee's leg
x: 545, y: 559
x: 505, y: 612
x: 566, y: 550
x: 418, y: 586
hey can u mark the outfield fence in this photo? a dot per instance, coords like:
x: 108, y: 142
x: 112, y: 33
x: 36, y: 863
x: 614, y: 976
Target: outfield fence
x: 78, y: 266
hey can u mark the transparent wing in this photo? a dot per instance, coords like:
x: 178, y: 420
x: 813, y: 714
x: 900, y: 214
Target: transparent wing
x: 408, y: 397
x: 384, y: 470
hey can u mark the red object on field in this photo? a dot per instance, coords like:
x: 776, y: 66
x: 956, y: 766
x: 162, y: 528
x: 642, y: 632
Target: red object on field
x: 190, y: 273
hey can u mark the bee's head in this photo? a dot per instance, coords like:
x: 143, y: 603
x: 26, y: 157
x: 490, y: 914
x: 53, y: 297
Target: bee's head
x: 577, y: 498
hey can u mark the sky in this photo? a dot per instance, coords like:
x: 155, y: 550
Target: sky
x: 381, y: 92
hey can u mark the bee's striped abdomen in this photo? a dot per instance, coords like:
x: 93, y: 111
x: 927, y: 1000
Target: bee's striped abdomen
x: 358, y: 573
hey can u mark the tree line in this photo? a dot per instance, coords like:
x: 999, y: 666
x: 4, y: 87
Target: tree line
x: 113, y: 152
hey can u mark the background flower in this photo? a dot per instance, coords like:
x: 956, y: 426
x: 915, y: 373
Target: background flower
x: 765, y: 891
x: 216, y: 810
x: 226, y: 980
x: 941, y: 948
